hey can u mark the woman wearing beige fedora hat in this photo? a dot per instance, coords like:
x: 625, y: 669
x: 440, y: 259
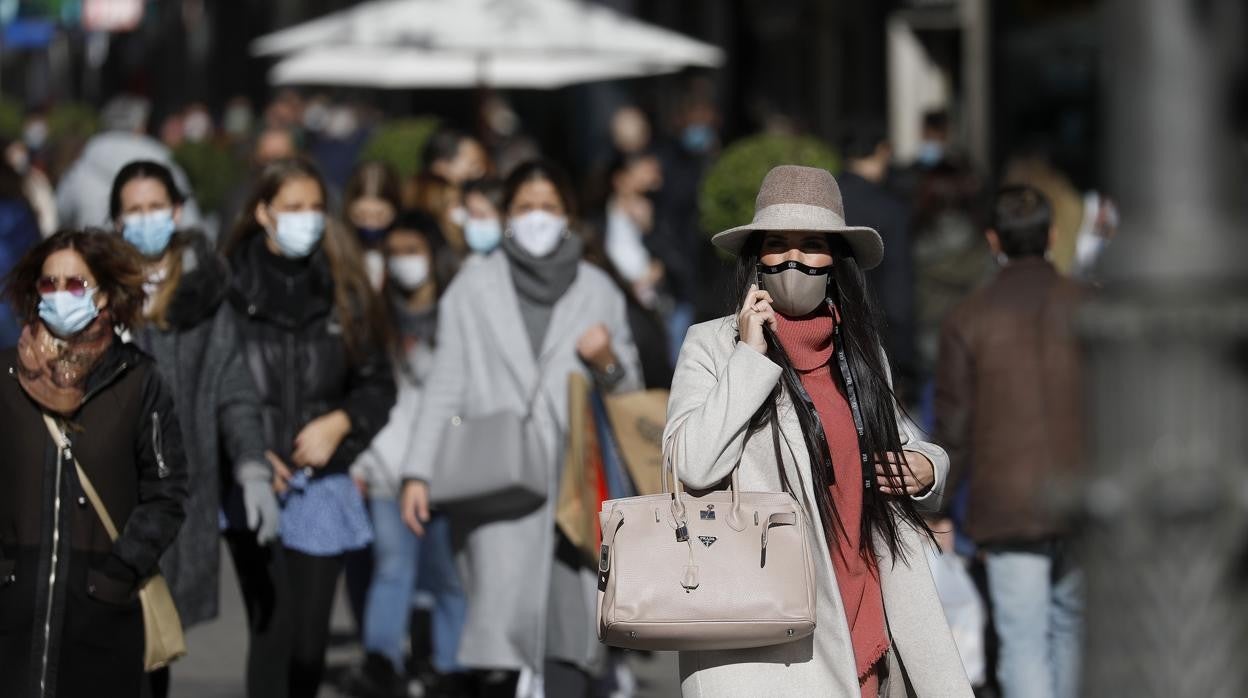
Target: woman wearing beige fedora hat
x: 802, y: 353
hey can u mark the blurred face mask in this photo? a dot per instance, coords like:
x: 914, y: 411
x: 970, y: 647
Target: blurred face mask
x: 66, y: 314
x: 538, y: 232
x: 297, y: 233
x: 409, y: 271
x: 149, y: 232
x: 697, y: 138
x: 482, y: 234
x: 930, y: 153
x: 796, y: 289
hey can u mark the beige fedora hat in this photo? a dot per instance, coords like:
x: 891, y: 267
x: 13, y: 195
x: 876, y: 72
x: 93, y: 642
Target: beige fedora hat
x: 804, y: 198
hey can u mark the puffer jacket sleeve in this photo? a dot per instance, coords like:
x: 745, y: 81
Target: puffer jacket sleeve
x: 238, y: 403
x: 370, y: 395
x: 716, y: 390
x: 155, y: 520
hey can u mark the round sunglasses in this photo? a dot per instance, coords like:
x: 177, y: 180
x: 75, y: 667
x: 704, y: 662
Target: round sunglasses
x: 76, y: 285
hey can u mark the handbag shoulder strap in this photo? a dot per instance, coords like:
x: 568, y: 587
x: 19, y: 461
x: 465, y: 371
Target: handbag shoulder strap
x: 96, y: 503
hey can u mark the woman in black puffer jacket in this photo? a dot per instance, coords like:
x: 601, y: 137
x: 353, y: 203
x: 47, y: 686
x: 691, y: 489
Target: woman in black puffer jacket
x: 70, y: 621
x: 314, y: 339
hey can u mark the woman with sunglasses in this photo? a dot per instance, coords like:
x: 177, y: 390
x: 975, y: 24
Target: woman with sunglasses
x: 70, y: 620
x: 193, y: 335
x: 315, y: 340
x: 794, y: 392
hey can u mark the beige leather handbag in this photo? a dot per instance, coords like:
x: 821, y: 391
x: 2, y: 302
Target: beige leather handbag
x: 709, y: 571
x: 162, y: 628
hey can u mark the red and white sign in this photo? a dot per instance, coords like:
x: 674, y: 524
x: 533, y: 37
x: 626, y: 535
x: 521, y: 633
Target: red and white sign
x: 112, y: 15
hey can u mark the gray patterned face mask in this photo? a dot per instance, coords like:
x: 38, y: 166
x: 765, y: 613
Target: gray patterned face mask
x: 795, y: 288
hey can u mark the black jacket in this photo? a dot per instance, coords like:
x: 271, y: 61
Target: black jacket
x: 69, y: 612
x: 893, y: 282
x: 294, y: 345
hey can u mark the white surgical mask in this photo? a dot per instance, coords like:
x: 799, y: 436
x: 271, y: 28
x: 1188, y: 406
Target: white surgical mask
x: 458, y: 216
x: 409, y: 271
x: 375, y: 268
x: 538, y: 232
x: 298, y: 232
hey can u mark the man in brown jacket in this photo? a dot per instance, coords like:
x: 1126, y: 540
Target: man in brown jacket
x: 1008, y: 412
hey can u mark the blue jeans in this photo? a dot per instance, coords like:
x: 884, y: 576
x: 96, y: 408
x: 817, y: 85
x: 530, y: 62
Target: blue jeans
x: 1037, y: 607
x: 401, y: 559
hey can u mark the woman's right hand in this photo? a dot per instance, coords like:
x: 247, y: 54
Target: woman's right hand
x: 281, y: 474
x: 414, y: 505
x: 755, y: 312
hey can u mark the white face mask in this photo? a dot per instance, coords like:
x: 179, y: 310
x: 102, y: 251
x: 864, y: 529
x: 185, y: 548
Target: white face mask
x: 409, y: 271
x: 375, y: 267
x: 458, y: 216
x: 298, y: 232
x: 538, y: 232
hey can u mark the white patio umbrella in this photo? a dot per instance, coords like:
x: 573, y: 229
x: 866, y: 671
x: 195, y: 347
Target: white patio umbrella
x: 398, y: 68
x: 496, y: 26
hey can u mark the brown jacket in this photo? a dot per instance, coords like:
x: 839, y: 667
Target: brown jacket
x: 1008, y: 399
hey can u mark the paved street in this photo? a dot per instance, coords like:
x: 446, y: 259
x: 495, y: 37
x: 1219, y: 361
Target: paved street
x: 217, y: 656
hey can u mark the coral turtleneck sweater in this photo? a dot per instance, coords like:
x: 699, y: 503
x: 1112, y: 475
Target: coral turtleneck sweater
x: 809, y: 343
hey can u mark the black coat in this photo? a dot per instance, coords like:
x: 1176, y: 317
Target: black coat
x: 893, y: 282
x: 69, y: 611
x: 294, y: 345
x: 199, y: 356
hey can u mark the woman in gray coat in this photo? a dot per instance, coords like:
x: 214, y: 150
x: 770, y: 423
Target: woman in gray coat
x: 524, y: 317
x: 794, y: 392
x: 195, y: 342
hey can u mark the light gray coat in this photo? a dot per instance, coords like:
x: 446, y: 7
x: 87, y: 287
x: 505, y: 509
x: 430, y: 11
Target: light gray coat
x: 719, y: 384
x: 379, y: 464
x: 484, y: 364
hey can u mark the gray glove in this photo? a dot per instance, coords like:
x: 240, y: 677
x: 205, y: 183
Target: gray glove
x: 259, y: 501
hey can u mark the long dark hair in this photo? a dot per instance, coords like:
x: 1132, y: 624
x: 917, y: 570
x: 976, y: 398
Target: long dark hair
x: 357, y: 306
x: 859, y: 321
x: 143, y: 169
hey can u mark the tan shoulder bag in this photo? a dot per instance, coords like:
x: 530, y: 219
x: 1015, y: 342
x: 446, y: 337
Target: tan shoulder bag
x: 162, y: 628
x: 707, y: 571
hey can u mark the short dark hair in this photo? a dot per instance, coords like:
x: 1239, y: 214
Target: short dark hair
x: 143, y: 169
x: 442, y: 145
x: 1022, y: 217
x: 861, y: 138
x: 489, y: 187
x: 935, y: 120
x: 418, y: 221
x: 115, y: 264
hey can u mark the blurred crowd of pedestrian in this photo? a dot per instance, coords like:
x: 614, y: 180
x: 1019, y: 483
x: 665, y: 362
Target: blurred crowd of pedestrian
x: 317, y: 316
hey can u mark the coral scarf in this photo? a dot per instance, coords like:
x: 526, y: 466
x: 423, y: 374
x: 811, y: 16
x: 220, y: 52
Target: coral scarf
x: 808, y: 342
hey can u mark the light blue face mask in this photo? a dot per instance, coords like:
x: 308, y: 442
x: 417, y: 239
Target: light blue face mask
x: 149, y: 232
x: 298, y: 232
x: 483, y: 234
x: 697, y: 138
x: 66, y: 314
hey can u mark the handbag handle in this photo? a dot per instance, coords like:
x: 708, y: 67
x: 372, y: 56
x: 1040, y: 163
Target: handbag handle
x: 735, y: 520
x: 96, y: 503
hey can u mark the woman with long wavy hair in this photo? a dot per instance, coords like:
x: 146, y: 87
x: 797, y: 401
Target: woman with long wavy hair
x: 314, y: 337
x: 794, y: 391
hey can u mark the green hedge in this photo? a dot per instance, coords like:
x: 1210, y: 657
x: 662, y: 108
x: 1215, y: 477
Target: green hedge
x: 731, y: 185
x: 11, y: 116
x: 212, y: 169
x: 400, y: 143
